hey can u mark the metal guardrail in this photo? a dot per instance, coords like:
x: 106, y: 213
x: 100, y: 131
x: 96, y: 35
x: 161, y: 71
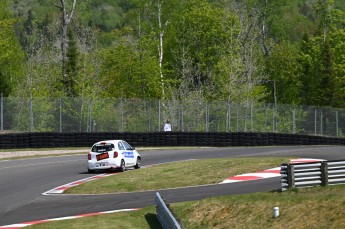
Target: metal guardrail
x: 312, y: 174
x: 164, y: 215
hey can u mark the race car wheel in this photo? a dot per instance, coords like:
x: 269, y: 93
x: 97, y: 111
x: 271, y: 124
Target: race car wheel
x: 138, y: 165
x: 123, y: 166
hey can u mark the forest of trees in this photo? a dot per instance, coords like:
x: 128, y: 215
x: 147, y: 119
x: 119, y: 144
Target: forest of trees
x: 225, y: 50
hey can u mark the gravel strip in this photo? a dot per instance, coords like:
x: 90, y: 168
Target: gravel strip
x: 13, y: 154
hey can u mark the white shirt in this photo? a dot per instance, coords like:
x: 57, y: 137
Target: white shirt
x: 167, y: 127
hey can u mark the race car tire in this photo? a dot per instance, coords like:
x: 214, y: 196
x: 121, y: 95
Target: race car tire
x: 123, y: 166
x: 90, y: 171
x: 138, y: 164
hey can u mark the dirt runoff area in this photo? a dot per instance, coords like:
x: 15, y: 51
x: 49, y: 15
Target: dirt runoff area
x: 29, y: 153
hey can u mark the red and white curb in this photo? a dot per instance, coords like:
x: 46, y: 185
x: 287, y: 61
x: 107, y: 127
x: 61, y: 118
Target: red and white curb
x: 269, y: 173
x: 62, y: 188
x: 20, y: 225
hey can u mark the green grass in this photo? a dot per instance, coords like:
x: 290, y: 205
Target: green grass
x: 178, y: 174
x: 317, y: 208
x: 143, y: 218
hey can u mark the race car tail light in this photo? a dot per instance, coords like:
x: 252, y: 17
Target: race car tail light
x: 116, y: 154
x: 89, y: 156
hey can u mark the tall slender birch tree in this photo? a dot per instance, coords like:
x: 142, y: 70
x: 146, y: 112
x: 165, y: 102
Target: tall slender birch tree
x: 66, y: 19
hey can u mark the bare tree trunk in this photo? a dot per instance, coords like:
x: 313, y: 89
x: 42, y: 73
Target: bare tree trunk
x: 249, y: 52
x: 66, y: 19
x: 143, y: 85
x: 264, y: 30
x: 160, y: 48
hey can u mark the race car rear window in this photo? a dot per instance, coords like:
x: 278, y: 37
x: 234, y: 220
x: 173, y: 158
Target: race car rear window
x: 102, y: 148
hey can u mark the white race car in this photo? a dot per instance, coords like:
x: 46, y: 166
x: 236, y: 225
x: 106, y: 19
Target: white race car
x: 112, y: 154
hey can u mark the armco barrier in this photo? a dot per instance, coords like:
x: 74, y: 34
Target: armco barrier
x: 164, y: 215
x: 216, y: 139
x: 312, y: 174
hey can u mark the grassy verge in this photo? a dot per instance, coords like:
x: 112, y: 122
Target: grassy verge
x: 143, y: 219
x: 180, y: 174
x: 319, y: 207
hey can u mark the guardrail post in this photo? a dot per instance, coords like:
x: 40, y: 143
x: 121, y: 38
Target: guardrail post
x: 284, y: 177
x: 291, y: 176
x: 165, y: 217
x: 324, y: 173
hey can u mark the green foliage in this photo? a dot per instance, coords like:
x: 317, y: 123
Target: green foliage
x: 321, y: 59
x: 286, y: 75
x: 201, y: 43
x: 72, y: 64
x: 212, y: 50
x: 130, y: 70
x: 11, y: 55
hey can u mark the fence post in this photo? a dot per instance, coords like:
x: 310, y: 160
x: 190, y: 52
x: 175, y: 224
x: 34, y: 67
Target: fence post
x: 148, y: 107
x: 228, y: 116
x: 89, y: 117
x: 321, y: 127
x: 159, y: 115
x: 273, y: 120
x: 2, y: 111
x: 252, y: 115
x: 324, y: 173
x: 182, y: 124
x: 60, y: 114
x: 337, y: 123
x: 315, y: 122
x: 293, y: 121
x: 237, y: 124
x: 120, y: 116
x: 31, y: 116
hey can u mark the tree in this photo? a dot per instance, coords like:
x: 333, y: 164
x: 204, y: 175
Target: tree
x: 156, y: 15
x: 323, y: 9
x: 196, y: 43
x: 321, y: 59
x: 130, y: 69
x: 286, y: 75
x: 66, y: 19
x: 11, y: 55
x: 72, y: 64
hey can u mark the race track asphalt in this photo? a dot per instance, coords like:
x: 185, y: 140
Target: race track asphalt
x: 22, y: 182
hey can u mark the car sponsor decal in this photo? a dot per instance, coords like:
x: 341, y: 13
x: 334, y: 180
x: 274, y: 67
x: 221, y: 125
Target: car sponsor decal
x: 128, y: 154
x: 102, y: 156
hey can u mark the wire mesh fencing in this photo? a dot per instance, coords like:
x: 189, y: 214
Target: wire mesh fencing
x: 139, y: 115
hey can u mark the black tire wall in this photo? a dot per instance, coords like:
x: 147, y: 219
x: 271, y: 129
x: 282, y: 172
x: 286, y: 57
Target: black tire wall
x: 217, y: 139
